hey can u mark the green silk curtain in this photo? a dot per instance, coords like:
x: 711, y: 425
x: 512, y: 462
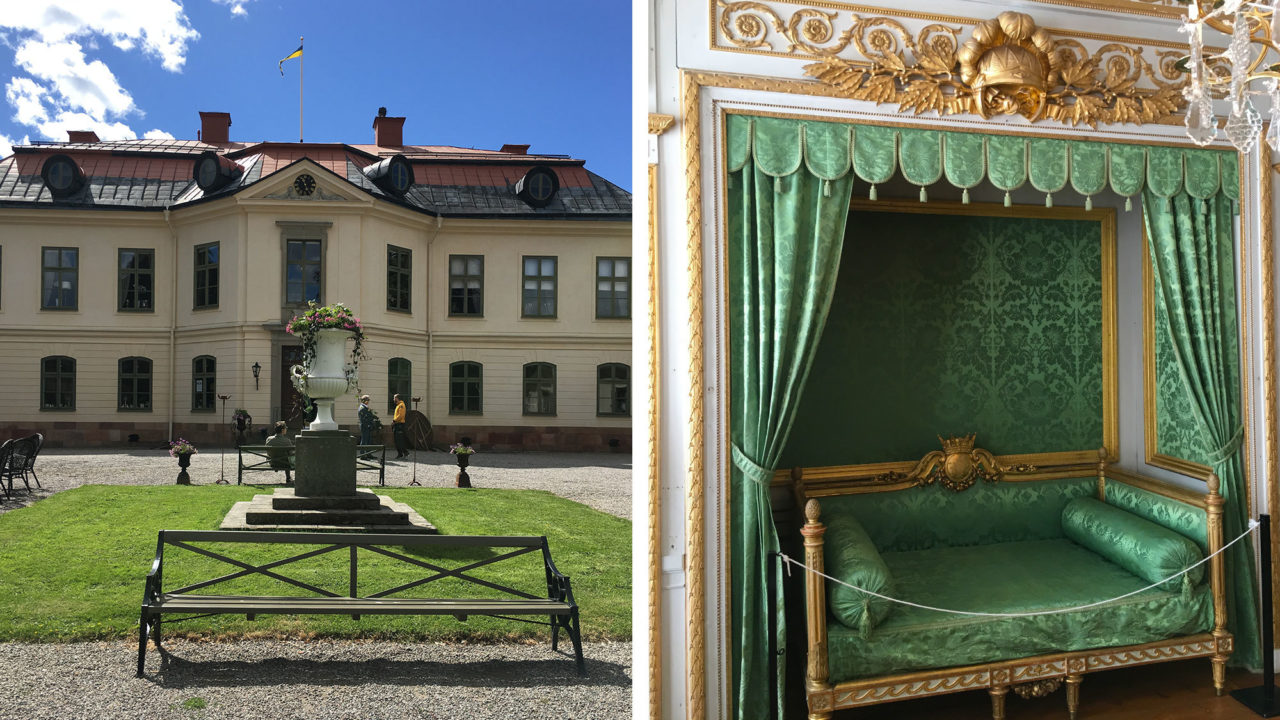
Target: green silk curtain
x: 785, y: 237
x: 1193, y: 264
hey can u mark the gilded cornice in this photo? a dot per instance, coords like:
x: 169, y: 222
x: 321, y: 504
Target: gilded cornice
x: 1171, y: 9
x: 959, y: 65
x: 659, y: 123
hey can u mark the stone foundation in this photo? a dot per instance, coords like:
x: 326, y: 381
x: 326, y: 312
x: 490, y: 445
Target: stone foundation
x: 60, y: 433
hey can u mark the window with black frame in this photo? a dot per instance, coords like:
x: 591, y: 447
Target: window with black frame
x: 613, y: 389
x: 57, y: 383
x: 466, y: 285
x: 204, y: 376
x: 399, y: 278
x: 464, y: 388
x: 135, y: 384
x: 539, y: 389
x: 136, y: 280
x: 60, y: 278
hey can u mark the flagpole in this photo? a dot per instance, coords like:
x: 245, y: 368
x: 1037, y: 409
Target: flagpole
x: 301, y: 59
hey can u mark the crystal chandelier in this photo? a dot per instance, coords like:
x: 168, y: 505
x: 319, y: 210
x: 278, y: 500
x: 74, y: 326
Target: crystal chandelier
x: 1249, y: 66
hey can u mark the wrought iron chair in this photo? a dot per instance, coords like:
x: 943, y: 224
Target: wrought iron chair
x: 37, y: 441
x: 6, y: 456
x: 21, y: 449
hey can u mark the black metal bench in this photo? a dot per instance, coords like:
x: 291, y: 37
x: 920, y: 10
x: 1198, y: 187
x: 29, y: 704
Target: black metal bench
x: 559, y: 604
x: 274, y: 458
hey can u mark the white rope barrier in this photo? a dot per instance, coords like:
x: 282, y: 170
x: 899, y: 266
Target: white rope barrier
x: 1253, y: 525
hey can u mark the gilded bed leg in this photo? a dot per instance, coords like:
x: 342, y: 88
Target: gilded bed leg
x: 1073, y: 695
x: 997, y: 701
x: 1219, y: 674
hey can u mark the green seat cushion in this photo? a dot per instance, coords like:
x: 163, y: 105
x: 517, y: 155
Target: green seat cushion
x: 849, y: 554
x: 1150, y: 551
x: 1010, y: 577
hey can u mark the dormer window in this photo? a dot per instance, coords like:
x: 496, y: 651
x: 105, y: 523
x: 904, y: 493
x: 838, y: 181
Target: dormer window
x: 394, y: 175
x: 537, y: 187
x: 213, y: 171
x: 62, y: 176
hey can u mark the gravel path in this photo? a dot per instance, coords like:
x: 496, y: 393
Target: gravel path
x: 315, y: 680
x: 322, y: 679
x: 600, y: 480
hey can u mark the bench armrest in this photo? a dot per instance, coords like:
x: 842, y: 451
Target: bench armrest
x: 152, y: 590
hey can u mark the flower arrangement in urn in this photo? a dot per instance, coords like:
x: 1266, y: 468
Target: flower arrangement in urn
x: 328, y: 317
x: 181, y: 447
x: 460, y: 449
x: 463, y: 452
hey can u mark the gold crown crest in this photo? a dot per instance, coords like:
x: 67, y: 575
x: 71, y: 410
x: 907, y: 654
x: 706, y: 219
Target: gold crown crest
x: 957, y: 443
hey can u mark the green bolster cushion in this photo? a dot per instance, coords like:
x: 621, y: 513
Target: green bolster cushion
x: 1150, y: 551
x: 849, y: 554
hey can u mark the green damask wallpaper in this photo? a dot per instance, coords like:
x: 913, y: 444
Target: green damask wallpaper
x: 948, y: 324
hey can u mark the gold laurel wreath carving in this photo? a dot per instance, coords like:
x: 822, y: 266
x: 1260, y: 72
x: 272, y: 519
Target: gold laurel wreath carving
x: 956, y: 466
x: 695, y: 523
x: 1038, y: 689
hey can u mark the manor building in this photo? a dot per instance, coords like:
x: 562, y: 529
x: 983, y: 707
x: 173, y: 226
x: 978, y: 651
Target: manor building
x: 142, y: 279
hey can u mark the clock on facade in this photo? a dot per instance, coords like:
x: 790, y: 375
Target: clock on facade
x: 304, y: 184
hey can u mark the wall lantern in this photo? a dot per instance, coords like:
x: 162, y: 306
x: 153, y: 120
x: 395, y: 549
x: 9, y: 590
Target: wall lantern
x: 257, y: 369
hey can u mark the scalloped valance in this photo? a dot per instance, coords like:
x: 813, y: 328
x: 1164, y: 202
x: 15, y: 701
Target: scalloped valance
x: 830, y: 150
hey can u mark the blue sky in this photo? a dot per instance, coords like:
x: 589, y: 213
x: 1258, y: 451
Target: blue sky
x: 553, y: 74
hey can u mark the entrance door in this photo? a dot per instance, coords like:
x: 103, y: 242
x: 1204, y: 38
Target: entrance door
x: 293, y: 404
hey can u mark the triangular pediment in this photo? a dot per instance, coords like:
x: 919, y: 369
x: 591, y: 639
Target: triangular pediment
x: 305, y: 181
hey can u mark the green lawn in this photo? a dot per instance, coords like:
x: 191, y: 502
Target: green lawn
x: 72, y: 566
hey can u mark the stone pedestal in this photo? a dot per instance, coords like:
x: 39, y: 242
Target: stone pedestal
x: 325, y: 464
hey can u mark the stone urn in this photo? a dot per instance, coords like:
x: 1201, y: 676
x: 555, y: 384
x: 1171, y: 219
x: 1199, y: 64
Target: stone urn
x: 184, y: 462
x: 463, y: 480
x: 325, y: 377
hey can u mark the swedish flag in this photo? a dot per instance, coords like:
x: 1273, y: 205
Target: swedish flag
x: 290, y: 56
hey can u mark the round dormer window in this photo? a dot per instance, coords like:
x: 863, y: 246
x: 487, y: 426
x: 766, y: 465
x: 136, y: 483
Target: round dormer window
x: 62, y: 175
x: 401, y: 177
x: 538, y: 186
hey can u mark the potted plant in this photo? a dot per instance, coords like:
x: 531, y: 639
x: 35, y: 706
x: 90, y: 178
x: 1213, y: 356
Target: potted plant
x: 323, y: 375
x: 463, y: 452
x: 183, y: 450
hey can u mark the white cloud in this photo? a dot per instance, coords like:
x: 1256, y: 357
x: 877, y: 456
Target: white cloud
x: 157, y: 134
x: 26, y: 97
x: 67, y: 90
x: 6, y: 147
x: 237, y: 6
x: 78, y: 83
x: 159, y: 27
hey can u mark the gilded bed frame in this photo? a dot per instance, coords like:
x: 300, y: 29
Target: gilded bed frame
x: 956, y: 468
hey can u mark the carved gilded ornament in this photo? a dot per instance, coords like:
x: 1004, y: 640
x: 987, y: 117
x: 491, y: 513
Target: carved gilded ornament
x: 956, y: 466
x: 1006, y: 66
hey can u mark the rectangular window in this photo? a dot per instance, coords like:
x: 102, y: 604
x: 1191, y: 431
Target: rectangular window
x: 464, y: 388
x: 302, y: 272
x: 206, y: 281
x: 539, y: 389
x: 399, y: 275
x: 60, y: 278
x: 539, y: 294
x: 613, y: 287
x: 137, y: 280
x: 613, y: 389
x: 399, y: 382
x: 135, y: 384
x: 57, y: 383
x: 466, y: 285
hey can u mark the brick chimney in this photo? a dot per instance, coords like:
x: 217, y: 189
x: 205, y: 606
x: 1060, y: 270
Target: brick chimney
x: 215, y: 127
x: 82, y: 136
x: 388, y: 131
x: 515, y: 149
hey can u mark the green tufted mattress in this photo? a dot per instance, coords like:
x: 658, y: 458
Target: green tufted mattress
x: 1020, y: 576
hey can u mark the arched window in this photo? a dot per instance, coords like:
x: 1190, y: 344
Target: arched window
x: 135, y: 384
x: 464, y: 388
x: 399, y: 381
x: 613, y: 389
x: 204, y: 376
x: 539, y: 389
x: 57, y: 383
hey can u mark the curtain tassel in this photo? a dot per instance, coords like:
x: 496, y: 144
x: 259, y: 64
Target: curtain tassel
x: 872, y: 195
x: 964, y: 196
x: 1008, y: 202
x: 1088, y: 203
x: 1127, y: 205
x: 1048, y: 200
x: 924, y: 194
x: 777, y: 185
x: 864, y: 622
x: 826, y: 188
x: 731, y: 180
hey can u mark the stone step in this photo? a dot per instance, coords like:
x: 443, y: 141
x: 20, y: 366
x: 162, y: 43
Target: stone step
x: 390, y: 516
x: 379, y: 516
x: 287, y: 499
